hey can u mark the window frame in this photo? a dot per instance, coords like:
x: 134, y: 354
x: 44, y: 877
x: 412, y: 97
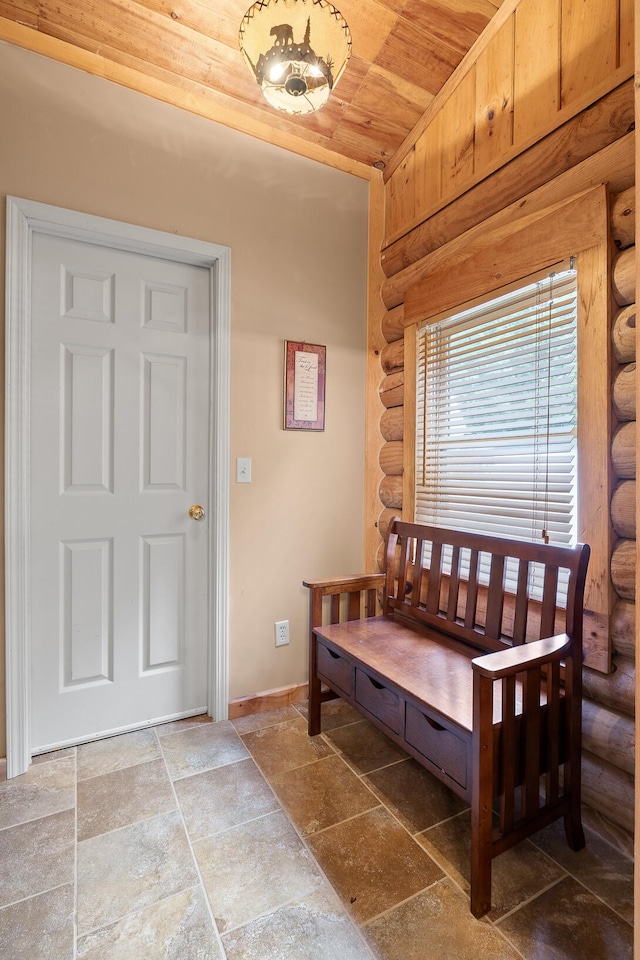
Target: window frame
x: 509, y: 253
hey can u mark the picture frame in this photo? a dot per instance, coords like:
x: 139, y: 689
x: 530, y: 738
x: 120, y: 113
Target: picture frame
x: 304, y: 385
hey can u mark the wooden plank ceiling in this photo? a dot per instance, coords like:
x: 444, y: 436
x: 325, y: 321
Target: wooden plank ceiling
x: 186, y: 52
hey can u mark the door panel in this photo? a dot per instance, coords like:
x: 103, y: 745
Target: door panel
x: 119, y: 452
x: 87, y: 612
x: 163, y: 582
x: 86, y: 425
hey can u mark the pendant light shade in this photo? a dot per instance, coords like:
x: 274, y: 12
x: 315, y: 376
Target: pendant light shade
x: 297, y: 50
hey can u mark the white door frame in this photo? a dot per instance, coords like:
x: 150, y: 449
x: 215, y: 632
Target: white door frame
x: 24, y: 218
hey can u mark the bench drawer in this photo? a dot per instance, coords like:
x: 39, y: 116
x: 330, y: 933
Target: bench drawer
x: 335, y: 669
x: 437, y: 743
x: 378, y: 700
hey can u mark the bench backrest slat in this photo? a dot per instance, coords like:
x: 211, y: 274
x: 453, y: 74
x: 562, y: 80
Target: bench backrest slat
x: 495, y: 598
x: 472, y: 590
x: 435, y: 577
x: 454, y: 585
x: 522, y: 603
x: 549, y: 593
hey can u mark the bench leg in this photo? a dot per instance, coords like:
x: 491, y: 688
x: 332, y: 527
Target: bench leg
x: 481, y: 865
x: 481, y: 796
x: 573, y: 831
x: 573, y: 781
x: 315, y: 699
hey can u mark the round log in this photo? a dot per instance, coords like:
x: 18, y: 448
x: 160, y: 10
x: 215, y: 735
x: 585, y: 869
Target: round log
x: 624, y: 392
x: 392, y: 356
x: 385, y: 519
x: 391, y: 458
x: 615, y: 690
x: 623, y: 278
x: 623, y: 628
x: 394, y: 288
x: 381, y: 558
x: 623, y: 568
x: 623, y: 334
x: 623, y: 451
x: 623, y: 509
x: 392, y: 423
x: 392, y: 390
x: 609, y: 734
x: 391, y: 492
x: 608, y: 790
x: 623, y: 218
x: 611, y: 832
x: 393, y: 324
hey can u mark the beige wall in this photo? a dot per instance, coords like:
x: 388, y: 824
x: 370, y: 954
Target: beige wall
x: 297, y: 231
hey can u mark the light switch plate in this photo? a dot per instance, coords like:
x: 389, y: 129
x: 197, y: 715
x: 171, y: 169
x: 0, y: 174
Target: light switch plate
x: 243, y: 469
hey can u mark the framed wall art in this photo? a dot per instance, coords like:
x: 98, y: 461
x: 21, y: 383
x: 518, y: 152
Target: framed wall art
x: 304, y: 385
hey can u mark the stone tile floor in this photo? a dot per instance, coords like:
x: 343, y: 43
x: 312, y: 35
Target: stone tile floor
x: 247, y: 840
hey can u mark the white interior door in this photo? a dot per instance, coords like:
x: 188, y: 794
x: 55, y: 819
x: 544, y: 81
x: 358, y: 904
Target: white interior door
x: 119, y: 452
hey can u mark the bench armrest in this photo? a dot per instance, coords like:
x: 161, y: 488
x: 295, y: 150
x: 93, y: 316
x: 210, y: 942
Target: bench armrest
x: 351, y: 598
x: 367, y: 581
x: 505, y: 663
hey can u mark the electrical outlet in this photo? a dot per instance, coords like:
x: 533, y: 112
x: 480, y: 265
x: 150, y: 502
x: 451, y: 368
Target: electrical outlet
x: 282, y: 632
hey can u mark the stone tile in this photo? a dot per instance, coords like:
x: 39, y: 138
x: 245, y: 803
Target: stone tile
x: 437, y: 925
x: 314, y: 928
x: 516, y: 875
x: 372, y: 862
x: 37, y: 856
x: 225, y: 797
x: 177, y: 726
x: 254, y: 868
x: 63, y: 752
x: 416, y: 798
x: 132, y: 868
x: 334, y: 713
x: 568, y: 922
x: 599, y: 866
x: 59, y: 754
x: 40, y: 928
x: 179, y: 928
x: 267, y: 718
x: 201, y: 747
x: 114, y: 753
x: 116, y: 799
x: 285, y: 746
x: 44, y: 789
x: 364, y: 747
x: 320, y: 794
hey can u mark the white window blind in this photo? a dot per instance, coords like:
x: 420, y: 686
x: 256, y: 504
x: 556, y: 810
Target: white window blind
x: 497, y: 415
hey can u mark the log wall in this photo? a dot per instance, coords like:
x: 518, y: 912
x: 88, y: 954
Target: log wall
x: 452, y: 179
x: 609, y: 701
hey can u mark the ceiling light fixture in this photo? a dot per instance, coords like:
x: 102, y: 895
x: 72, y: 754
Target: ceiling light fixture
x: 296, y: 50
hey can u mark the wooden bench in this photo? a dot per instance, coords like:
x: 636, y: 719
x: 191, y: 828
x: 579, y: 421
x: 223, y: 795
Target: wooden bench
x: 471, y: 669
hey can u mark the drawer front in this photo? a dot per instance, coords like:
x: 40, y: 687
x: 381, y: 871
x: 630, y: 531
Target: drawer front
x: 335, y: 669
x: 378, y: 700
x: 446, y: 750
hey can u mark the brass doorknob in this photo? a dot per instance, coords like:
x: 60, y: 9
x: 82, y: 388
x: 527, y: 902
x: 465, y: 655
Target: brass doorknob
x: 196, y: 512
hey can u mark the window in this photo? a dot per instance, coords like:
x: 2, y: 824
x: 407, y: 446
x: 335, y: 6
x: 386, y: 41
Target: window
x: 496, y: 437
